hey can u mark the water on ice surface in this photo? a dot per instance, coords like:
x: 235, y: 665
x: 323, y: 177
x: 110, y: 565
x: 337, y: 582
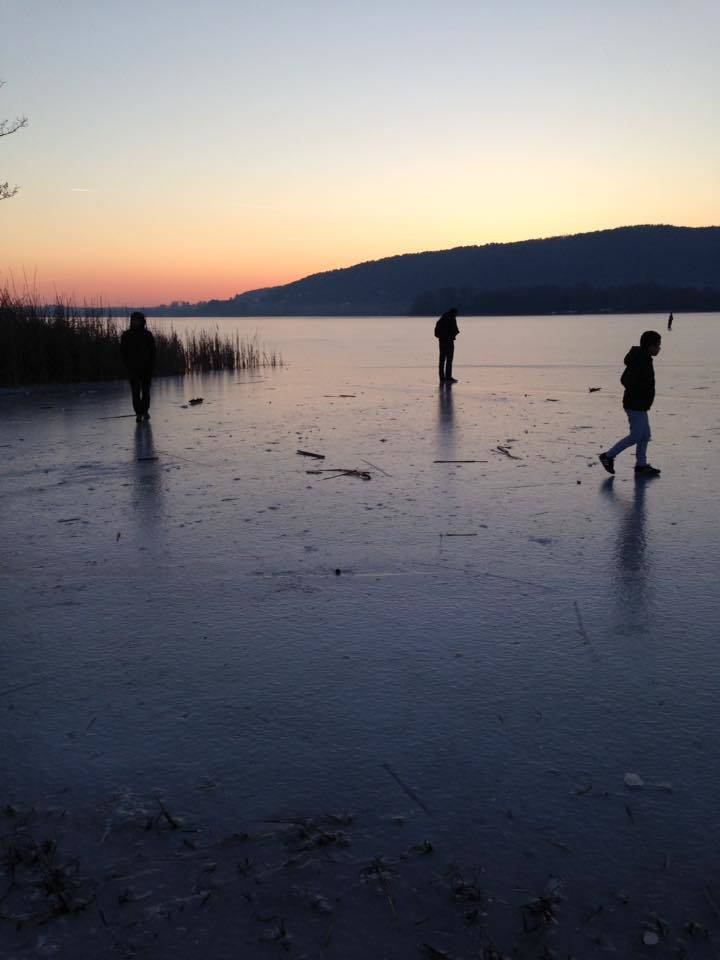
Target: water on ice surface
x: 507, y: 639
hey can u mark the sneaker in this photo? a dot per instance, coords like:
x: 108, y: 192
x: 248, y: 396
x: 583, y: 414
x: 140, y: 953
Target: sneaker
x: 450, y: 380
x: 138, y: 418
x: 647, y: 471
x: 147, y: 416
x: 607, y: 462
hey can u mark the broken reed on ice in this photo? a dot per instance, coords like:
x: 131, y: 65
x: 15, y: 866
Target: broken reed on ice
x: 66, y: 343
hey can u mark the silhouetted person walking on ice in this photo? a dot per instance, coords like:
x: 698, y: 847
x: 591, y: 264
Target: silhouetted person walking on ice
x: 137, y: 346
x: 639, y: 381
x: 670, y: 320
x: 446, y: 329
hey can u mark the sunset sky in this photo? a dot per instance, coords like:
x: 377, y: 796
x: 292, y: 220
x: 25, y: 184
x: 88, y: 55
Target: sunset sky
x: 188, y: 150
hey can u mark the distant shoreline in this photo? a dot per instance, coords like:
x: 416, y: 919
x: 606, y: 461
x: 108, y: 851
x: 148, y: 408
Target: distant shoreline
x: 640, y: 269
x: 167, y: 314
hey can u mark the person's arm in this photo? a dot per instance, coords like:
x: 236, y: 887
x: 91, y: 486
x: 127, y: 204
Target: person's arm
x: 124, y: 347
x: 151, y: 350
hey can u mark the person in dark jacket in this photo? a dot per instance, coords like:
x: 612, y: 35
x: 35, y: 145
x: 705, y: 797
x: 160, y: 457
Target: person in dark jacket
x: 137, y: 346
x: 446, y: 329
x: 639, y: 381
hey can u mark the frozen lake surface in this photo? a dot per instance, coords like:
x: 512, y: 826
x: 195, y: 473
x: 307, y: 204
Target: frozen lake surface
x: 505, y: 641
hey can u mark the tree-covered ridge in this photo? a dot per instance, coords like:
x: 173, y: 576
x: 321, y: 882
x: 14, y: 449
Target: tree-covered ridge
x: 624, y: 269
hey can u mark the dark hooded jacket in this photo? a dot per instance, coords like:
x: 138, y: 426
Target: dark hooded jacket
x: 137, y: 346
x: 446, y: 328
x: 638, y: 379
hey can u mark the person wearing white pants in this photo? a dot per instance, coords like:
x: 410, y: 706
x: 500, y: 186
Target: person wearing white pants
x: 639, y: 381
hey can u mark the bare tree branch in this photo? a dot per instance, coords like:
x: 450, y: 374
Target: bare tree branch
x: 11, y: 126
x: 6, y: 191
x: 6, y: 128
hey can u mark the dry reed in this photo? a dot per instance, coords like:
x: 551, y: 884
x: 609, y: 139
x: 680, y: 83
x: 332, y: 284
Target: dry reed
x: 66, y: 343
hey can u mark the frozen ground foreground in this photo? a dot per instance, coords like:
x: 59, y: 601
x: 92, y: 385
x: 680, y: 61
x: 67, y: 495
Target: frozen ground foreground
x: 506, y: 640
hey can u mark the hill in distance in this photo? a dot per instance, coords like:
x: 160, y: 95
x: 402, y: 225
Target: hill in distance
x: 627, y: 269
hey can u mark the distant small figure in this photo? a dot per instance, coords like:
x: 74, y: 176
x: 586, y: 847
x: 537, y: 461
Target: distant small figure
x: 446, y: 329
x: 639, y: 381
x: 137, y: 346
x: 670, y: 322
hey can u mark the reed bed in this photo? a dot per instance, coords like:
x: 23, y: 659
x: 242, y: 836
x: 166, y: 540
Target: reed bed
x: 66, y: 343
x: 211, y: 351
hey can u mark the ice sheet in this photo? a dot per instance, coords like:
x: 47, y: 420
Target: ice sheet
x: 505, y: 639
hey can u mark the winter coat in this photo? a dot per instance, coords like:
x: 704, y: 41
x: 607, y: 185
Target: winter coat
x: 638, y: 379
x: 138, y: 352
x: 446, y: 328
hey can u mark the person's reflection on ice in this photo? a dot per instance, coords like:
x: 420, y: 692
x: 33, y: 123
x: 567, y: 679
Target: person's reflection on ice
x: 631, y: 562
x: 148, y: 474
x: 446, y: 411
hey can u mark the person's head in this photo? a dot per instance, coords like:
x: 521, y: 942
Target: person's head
x: 137, y: 320
x: 650, y: 341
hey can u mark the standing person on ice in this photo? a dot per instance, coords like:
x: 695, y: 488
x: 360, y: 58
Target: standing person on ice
x: 446, y: 329
x: 137, y: 346
x: 639, y: 381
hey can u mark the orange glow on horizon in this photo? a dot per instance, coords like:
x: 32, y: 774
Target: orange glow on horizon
x: 142, y: 277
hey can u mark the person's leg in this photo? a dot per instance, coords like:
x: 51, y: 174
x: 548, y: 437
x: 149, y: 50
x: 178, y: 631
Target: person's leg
x: 641, y: 428
x: 449, y: 353
x: 630, y: 440
x: 443, y: 356
x: 146, y: 395
x: 135, y: 386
